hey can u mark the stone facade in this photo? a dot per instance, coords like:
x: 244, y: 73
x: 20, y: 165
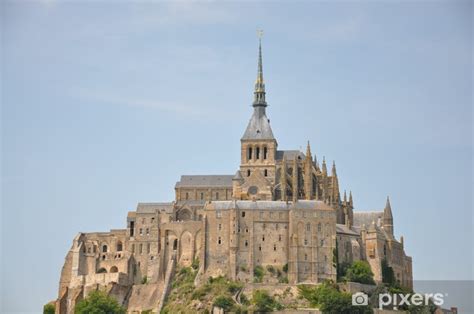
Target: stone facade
x: 280, y: 208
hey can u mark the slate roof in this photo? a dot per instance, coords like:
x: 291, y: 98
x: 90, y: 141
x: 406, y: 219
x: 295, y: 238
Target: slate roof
x: 265, y: 205
x: 289, y: 154
x: 361, y: 218
x: 149, y: 208
x: 205, y: 181
x: 258, y: 127
x: 345, y: 230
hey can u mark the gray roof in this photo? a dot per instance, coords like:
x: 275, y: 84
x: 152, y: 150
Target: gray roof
x: 289, y: 154
x: 258, y: 127
x: 345, y: 230
x: 361, y: 218
x: 205, y: 181
x: 265, y: 205
x: 150, y: 208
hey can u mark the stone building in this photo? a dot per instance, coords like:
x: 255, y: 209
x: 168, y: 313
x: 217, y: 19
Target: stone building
x: 281, y: 207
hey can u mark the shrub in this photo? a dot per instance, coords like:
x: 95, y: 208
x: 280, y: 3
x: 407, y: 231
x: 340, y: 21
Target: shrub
x: 263, y: 302
x: 99, y: 302
x: 144, y: 280
x: 258, y: 273
x: 329, y: 299
x: 388, y: 276
x: 285, y: 268
x: 360, y: 272
x: 224, y: 302
x: 271, y: 269
x: 49, y: 308
x: 195, y: 264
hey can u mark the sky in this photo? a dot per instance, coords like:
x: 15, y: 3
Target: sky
x: 105, y: 104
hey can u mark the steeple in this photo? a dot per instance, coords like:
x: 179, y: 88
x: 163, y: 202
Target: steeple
x: 351, y: 203
x: 259, y: 125
x: 259, y: 93
x: 334, y: 174
x: 325, y: 171
x: 388, y: 217
x: 308, y: 152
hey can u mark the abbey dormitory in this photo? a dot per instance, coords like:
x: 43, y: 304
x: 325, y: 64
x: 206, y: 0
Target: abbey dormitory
x: 281, y: 209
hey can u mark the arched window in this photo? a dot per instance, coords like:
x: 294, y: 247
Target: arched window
x: 217, y: 195
x: 308, y: 227
x: 101, y: 270
x: 219, y: 241
x: 104, y: 248
x: 265, y: 172
x: 265, y: 152
x: 175, y: 244
x: 148, y: 248
x: 249, y: 153
x: 187, y: 195
x: 114, y: 269
x: 257, y: 153
x: 248, y: 173
x: 140, y: 249
x: 119, y: 246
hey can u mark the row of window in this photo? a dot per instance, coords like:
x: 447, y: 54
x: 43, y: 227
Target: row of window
x: 140, y: 248
x: 201, y: 196
x: 255, y: 154
x: 265, y: 172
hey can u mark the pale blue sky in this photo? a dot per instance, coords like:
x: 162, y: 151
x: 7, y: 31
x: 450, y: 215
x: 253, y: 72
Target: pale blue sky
x: 106, y: 104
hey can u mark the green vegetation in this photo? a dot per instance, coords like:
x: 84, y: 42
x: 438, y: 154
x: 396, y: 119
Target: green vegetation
x: 195, y: 264
x: 144, y: 280
x: 99, y: 302
x: 49, y: 308
x: 342, y: 271
x: 285, y: 268
x: 388, y: 277
x: 186, y: 298
x: 360, y: 272
x: 329, y: 299
x: 258, y: 273
x: 263, y: 302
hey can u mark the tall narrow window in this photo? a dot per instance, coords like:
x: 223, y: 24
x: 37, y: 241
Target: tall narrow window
x: 265, y: 172
x: 265, y: 152
x: 248, y: 173
x: 249, y: 153
x: 219, y: 241
x: 104, y: 248
x: 140, y: 250
x: 243, y: 214
x: 308, y: 227
x: 187, y: 195
x: 257, y: 153
x: 202, y: 196
x: 217, y: 195
x: 148, y: 248
x: 132, y: 228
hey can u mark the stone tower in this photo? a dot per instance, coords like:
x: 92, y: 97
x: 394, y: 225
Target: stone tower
x: 258, y: 146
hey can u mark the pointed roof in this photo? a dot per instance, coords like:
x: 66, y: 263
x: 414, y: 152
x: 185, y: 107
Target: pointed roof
x: 259, y: 125
x: 387, y: 212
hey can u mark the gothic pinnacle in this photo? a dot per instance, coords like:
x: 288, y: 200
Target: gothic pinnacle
x: 259, y: 93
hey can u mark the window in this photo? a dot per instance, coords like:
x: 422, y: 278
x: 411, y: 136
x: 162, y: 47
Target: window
x: 247, y: 230
x: 132, y: 228
x: 104, y: 248
x: 152, y: 219
x: 258, y: 152
x: 322, y: 242
x: 220, y: 227
x: 279, y: 237
x: 141, y: 231
x: 263, y: 238
x: 248, y: 173
x: 133, y: 248
x: 187, y: 195
x: 243, y: 214
x: 319, y: 227
x: 265, y: 172
x: 249, y: 156
x: 305, y: 241
x: 147, y: 231
x: 219, y: 241
x: 140, y: 250
x: 148, y: 248
x: 246, y: 243
x: 306, y: 257
x: 308, y: 227
x: 119, y: 246
x: 277, y: 226
x: 274, y: 247
x: 259, y: 247
x: 143, y: 220
x: 265, y: 151
x: 217, y: 195
x: 202, y: 195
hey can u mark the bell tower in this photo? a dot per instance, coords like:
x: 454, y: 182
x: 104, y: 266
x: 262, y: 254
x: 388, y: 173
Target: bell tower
x: 258, y: 145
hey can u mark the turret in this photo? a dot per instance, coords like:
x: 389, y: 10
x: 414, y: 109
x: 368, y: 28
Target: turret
x: 388, y: 217
x: 283, y: 179
x: 351, y: 204
x: 308, y: 174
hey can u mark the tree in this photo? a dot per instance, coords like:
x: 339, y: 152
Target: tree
x: 98, y: 302
x: 264, y: 302
x: 388, y: 276
x: 360, y: 272
x: 329, y: 299
x: 49, y: 308
x: 224, y: 302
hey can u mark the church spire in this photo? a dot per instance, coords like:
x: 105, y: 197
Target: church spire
x: 259, y: 93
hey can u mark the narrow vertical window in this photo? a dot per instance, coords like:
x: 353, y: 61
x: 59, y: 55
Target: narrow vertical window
x: 265, y: 172
x: 202, y: 196
x: 248, y: 173
x: 187, y: 195
x: 257, y: 153
x: 217, y: 195
x: 249, y: 153
x: 265, y: 152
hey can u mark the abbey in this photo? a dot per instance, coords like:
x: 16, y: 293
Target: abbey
x: 280, y: 208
